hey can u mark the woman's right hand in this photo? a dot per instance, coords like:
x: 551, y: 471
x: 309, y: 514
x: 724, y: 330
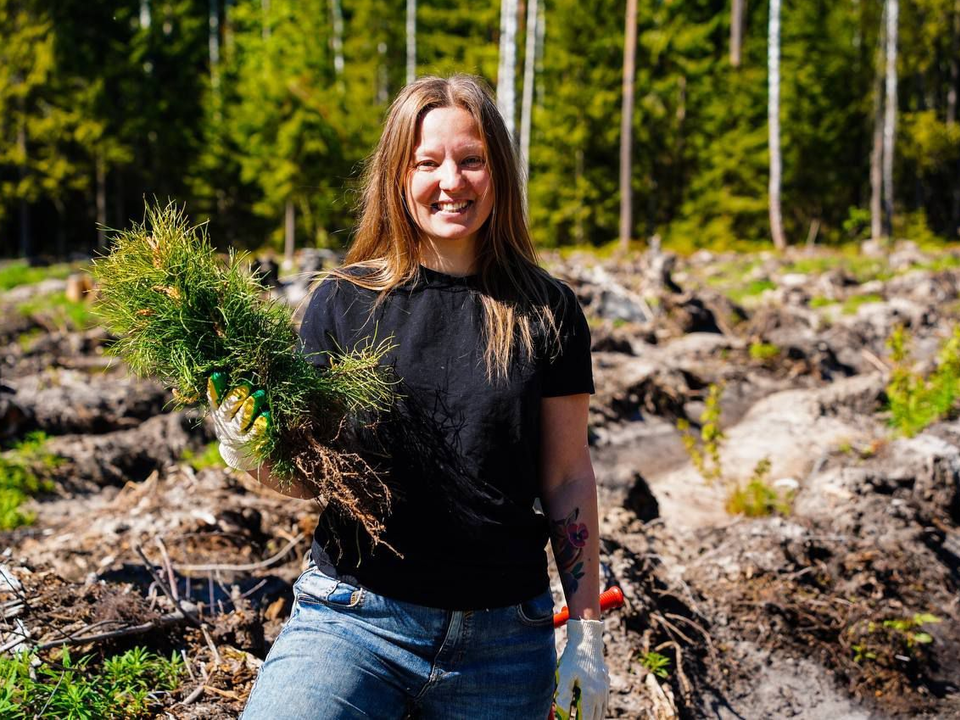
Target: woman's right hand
x: 239, y: 420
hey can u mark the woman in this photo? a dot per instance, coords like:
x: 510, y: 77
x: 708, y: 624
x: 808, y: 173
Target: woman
x: 450, y: 616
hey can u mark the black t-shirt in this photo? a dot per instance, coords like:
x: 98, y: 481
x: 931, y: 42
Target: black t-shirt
x: 460, y: 454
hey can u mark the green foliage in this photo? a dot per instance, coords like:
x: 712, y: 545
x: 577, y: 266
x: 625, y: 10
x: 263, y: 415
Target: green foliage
x: 764, y: 351
x: 818, y: 301
x: 181, y: 315
x: 707, y: 458
x: 853, y: 303
x: 125, y: 686
x: 656, y: 663
x: 914, y: 401
x: 757, y: 498
x: 857, y: 223
x: 24, y: 472
x: 209, y: 457
x: 753, y: 289
x: 891, y: 640
x: 18, y: 272
x: 56, y: 310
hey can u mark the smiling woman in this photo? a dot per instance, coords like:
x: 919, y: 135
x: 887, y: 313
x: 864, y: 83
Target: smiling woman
x: 451, y: 615
x: 449, y: 187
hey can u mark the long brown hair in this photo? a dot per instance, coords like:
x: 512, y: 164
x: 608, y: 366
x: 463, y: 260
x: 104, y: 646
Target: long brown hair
x: 513, y: 287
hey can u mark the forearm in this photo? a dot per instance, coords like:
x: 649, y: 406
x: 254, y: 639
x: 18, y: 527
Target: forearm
x: 295, y: 488
x: 571, y: 508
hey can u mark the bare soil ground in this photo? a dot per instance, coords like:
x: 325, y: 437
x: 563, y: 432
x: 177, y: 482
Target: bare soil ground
x: 823, y: 612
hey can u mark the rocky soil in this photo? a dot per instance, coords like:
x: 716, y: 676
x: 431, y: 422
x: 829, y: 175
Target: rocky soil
x: 843, y: 605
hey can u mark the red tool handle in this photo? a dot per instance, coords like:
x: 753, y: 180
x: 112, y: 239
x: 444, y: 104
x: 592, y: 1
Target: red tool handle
x: 609, y: 600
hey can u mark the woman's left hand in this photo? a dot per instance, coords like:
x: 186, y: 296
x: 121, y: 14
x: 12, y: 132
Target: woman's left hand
x: 582, y: 666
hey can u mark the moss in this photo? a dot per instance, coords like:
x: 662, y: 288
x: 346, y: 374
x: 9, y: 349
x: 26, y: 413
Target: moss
x: 207, y: 458
x: 819, y: 301
x: 24, y: 472
x: 752, y: 289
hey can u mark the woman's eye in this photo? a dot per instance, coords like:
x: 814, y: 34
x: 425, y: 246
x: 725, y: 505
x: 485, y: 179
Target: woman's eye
x: 426, y: 164
x: 473, y: 161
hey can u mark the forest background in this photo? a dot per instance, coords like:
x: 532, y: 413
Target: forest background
x: 257, y: 114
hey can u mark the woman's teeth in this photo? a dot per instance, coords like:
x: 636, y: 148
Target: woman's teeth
x: 452, y: 207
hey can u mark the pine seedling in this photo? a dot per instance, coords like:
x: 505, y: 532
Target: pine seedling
x: 181, y: 314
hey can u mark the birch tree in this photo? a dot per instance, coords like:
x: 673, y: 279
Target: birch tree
x: 529, y: 79
x: 411, y: 41
x: 626, y: 125
x: 506, y: 72
x: 736, y: 30
x: 773, y: 123
x: 890, y: 114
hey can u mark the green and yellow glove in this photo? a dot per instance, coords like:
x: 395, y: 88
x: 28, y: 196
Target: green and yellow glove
x: 239, y: 420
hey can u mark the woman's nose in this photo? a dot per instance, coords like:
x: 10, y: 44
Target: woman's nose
x: 450, y: 176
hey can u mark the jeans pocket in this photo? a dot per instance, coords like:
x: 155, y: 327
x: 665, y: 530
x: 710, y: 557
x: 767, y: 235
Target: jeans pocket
x: 538, y: 611
x: 316, y: 588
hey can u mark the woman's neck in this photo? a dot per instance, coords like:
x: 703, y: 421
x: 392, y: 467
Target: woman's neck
x: 449, y: 257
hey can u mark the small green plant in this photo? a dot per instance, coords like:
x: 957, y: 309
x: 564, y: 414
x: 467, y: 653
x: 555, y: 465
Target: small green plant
x: 207, y: 458
x: 891, y: 639
x: 757, y: 498
x: 125, y: 686
x: 24, y: 472
x: 764, y: 351
x: 656, y: 663
x: 914, y: 401
x: 707, y: 459
x: 752, y: 289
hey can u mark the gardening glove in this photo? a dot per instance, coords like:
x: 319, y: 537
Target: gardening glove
x: 238, y: 420
x: 581, y: 665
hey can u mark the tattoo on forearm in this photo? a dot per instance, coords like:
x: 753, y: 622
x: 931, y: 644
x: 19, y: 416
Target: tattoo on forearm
x: 569, y: 539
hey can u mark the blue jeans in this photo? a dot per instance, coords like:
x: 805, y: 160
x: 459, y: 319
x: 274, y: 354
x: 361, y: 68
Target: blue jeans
x: 347, y: 652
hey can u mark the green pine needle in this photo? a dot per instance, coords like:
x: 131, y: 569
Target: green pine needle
x: 181, y: 314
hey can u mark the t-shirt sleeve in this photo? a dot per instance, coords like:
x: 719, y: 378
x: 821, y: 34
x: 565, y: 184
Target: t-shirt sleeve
x: 318, y: 329
x: 570, y: 371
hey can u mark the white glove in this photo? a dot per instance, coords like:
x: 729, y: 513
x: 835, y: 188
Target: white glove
x: 581, y: 665
x: 237, y: 421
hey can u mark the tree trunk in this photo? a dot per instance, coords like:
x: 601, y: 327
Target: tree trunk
x: 336, y: 18
x: 213, y: 43
x: 626, y: 125
x: 529, y: 78
x: 145, y: 14
x: 952, y: 112
x: 26, y: 247
x: 876, y: 163
x: 101, y: 201
x: 773, y: 122
x: 736, y: 30
x: 411, y: 41
x: 506, y: 72
x: 890, y: 115
x: 289, y: 235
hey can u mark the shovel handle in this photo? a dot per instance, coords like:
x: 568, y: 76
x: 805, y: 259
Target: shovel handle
x: 609, y: 600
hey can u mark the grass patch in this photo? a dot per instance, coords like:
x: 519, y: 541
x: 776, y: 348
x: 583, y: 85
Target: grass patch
x: 819, y: 301
x: 57, y: 311
x: 124, y: 686
x: 852, y: 304
x: 209, y: 457
x: 915, y: 401
x: 764, y: 351
x: 25, y: 471
x: 18, y: 272
x: 758, y: 498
